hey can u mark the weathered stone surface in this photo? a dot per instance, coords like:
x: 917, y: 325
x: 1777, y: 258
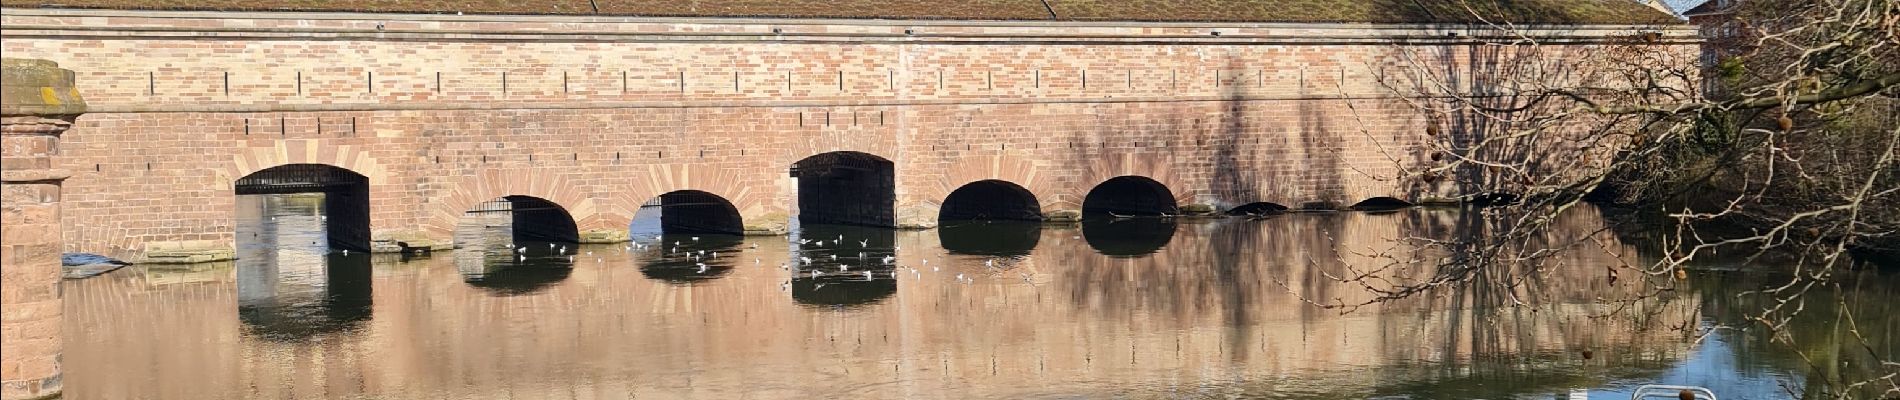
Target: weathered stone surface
x: 1062, y: 216
x: 604, y: 236
x: 187, y: 252
x: 601, y: 119
x: 37, y: 102
x: 768, y: 225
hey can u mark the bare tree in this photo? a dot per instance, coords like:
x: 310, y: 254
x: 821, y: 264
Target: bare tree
x: 1786, y: 151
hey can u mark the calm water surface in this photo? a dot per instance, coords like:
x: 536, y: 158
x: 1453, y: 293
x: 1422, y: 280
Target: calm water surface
x: 1122, y: 309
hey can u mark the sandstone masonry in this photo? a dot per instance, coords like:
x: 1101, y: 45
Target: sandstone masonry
x: 600, y: 114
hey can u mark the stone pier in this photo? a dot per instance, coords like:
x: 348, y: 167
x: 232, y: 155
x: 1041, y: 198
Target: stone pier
x: 40, y: 102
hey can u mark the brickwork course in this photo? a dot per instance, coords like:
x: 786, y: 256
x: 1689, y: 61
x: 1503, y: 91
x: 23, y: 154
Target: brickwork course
x: 601, y: 114
x: 1349, y: 11
x: 601, y: 106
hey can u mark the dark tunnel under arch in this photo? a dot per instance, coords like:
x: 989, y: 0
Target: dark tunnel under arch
x: 527, y: 218
x: 698, y: 212
x: 846, y: 188
x: 1129, y: 196
x: 990, y: 200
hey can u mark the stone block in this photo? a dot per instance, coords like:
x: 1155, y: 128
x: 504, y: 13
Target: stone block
x: 604, y: 236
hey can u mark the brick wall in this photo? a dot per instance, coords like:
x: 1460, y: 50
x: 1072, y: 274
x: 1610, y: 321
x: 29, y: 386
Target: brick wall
x: 600, y: 115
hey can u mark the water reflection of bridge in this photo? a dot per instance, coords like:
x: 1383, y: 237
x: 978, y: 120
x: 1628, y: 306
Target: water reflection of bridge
x: 1206, y: 308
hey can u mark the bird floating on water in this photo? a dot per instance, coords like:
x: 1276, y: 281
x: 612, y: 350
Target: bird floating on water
x: 702, y: 268
x: 695, y: 238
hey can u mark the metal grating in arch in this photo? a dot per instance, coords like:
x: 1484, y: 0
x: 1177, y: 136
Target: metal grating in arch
x: 299, y: 178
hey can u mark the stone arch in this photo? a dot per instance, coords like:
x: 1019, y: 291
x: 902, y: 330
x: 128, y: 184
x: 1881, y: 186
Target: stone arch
x: 1151, y: 166
x: 466, y: 192
x: 346, y: 202
x: 304, y: 151
x: 990, y: 199
x: 1257, y: 208
x: 749, y: 199
x: 1381, y: 203
x: 697, y: 212
x: 1009, y: 168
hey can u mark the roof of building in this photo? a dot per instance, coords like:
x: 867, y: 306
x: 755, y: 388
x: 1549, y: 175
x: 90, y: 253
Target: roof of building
x: 1712, y: 7
x: 1580, y: 12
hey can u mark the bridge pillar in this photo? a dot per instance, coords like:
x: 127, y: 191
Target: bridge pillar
x: 38, y: 102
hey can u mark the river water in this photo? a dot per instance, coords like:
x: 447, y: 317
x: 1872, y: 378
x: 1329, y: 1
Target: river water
x: 1118, y: 309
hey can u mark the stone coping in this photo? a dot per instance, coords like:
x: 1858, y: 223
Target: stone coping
x: 70, y: 22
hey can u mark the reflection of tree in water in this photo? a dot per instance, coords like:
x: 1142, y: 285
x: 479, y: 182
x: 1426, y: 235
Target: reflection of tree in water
x: 858, y: 249
x: 676, y: 258
x: 1248, y: 272
x: 1844, y: 338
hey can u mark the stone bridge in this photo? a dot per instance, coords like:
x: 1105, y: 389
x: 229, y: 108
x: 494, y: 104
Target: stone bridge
x: 410, y: 121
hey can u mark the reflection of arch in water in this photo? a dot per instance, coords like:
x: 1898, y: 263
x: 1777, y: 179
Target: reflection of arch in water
x: 1381, y: 204
x: 1129, y: 195
x: 692, y: 212
x: 990, y: 200
x: 1130, y: 237
x: 846, y: 188
x: 992, y: 238
x: 519, y: 280
x: 843, y: 288
x: 515, y: 245
x: 842, y: 292
x: 678, y: 265
x: 1257, y: 208
x: 345, y: 198
x: 341, y: 303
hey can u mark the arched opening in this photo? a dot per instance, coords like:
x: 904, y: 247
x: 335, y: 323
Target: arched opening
x: 1129, y: 196
x: 1497, y: 199
x: 990, y: 200
x: 1257, y: 209
x: 687, y: 212
x: 339, y: 200
x: 1381, y: 204
x: 1130, y: 237
x: 837, y: 265
x: 517, y: 219
x: 846, y: 188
